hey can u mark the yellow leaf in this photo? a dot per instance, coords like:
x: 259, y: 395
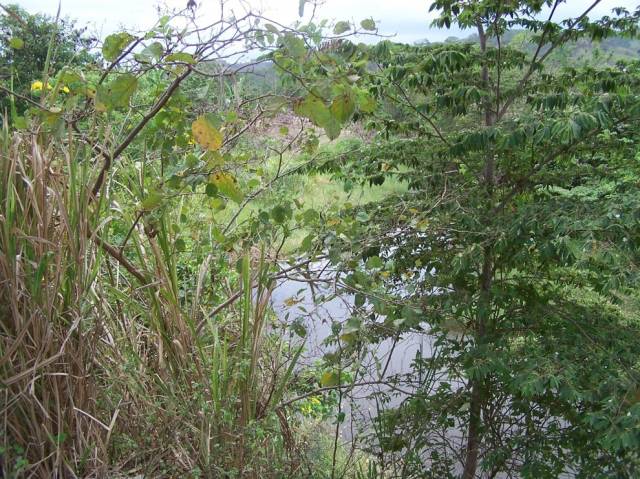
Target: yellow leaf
x: 348, y: 338
x: 329, y: 379
x: 206, y: 134
x: 227, y: 185
x: 292, y: 301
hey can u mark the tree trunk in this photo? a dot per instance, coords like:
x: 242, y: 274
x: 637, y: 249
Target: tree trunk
x: 478, y: 390
x: 473, y: 439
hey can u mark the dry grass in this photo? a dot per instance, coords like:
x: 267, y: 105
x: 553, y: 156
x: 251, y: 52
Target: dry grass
x: 48, y: 337
x: 104, y: 374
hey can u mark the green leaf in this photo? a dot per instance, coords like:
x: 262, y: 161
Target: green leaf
x: 20, y: 122
x: 342, y: 107
x: 280, y: 213
x: 329, y: 379
x: 374, y: 263
x: 366, y: 102
x: 180, y: 245
x: 362, y: 216
x: 152, y: 200
x: 211, y: 190
x: 341, y: 27
x: 16, y: 43
x: 310, y: 216
x: 69, y: 77
x: 218, y: 235
x: 314, y: 109
x: 114, y: 44
x: 299, y: 329
x: 150, y: 53
x: 206, y: 134
x: 368, y: 24
x: 307, y: 243
x: 227, y: 185
x: 117, y: 93
x: 295, y: 46
x: 182, y: 57
x: 332, y: 130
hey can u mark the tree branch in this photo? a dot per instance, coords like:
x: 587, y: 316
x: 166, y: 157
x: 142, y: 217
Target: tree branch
x: 109, y: 158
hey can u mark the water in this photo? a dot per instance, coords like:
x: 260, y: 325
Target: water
x: 315, y: 306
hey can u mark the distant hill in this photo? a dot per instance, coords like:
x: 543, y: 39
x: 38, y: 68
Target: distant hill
x: 606, y: 51
x: 262, y: 77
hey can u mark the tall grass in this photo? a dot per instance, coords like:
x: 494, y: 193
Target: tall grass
x: 49, y: 332
x: 101, y: 372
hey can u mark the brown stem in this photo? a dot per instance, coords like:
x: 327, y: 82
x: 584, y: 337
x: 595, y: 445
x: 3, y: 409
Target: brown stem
x: 473, y: 439
x: 109, y: 158
x: 119, y: 257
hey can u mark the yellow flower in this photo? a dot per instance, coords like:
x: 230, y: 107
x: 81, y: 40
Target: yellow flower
x: 38, y: 86
x: 65, y: 89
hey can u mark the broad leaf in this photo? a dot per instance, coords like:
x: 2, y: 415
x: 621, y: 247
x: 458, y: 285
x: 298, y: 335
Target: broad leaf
x: 16, y: 43
x: 227, y: 185
x: 341, y: 27
x: 295, y: 46
x: 206, y: 134
x: 314, y: 109
x: 117, y: 93
x: 329, y: 379
x: 280, y: 213
x: 368, y: 24
x: 114, y: 44
x: 152, y: 200
x: 182, y: 57
x: 342, y: 107
x: 150, y: 53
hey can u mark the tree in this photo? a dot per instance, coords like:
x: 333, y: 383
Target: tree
x: 24, y: 48
x: 516, y: 248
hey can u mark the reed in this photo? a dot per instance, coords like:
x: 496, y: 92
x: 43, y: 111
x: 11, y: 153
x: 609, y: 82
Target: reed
x: 49, y: 329
x: 104, y: 372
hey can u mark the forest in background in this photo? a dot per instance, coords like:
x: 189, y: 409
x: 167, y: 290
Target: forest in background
x: 173, y: 216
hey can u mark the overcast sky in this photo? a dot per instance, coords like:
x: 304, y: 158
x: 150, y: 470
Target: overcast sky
x: 407, y: 19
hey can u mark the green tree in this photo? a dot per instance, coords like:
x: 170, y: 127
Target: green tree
x: 516, y: 248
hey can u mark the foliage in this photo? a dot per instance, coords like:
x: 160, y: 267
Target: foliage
x: 143, y: 228
x: 500, y: 251
x: 136, y: 330
x: 24, y: 49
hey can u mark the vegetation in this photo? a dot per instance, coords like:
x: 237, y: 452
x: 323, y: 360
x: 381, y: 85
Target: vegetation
x: 25, y: 53
x: 483, y: 197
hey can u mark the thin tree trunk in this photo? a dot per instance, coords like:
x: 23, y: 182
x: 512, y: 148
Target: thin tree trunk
x: 474, y: 436
x: 478, y: 389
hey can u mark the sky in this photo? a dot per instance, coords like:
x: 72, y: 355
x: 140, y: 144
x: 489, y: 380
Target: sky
x: 407, y: 20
